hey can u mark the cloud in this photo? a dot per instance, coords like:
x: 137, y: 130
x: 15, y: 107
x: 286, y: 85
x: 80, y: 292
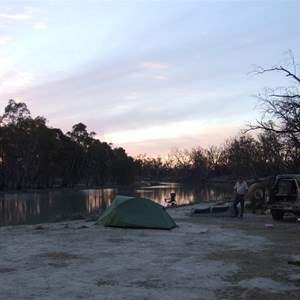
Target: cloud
x: 12, y: 78
x: 157, y: 132
x: 159, y: 77
x: 24, y: 15
x: 5, y: 40
x: 40, y: 25
x: 155, y: 141
x: 134, y: 71
x: 149, y: 70
x: 105, y: 96
x: 133, y: 95
x: 15, y: 80
x: 153, y: 65
x: 18, y: 17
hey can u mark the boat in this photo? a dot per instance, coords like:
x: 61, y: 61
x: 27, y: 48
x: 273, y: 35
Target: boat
x: 209, y: 208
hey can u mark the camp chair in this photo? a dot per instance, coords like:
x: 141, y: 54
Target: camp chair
x: 171, y: 200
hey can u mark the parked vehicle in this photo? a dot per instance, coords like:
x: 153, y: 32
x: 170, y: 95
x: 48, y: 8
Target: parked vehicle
x: 280, y: 195
x: 284, y: 196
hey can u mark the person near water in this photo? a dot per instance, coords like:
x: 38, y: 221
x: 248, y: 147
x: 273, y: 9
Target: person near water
x: 241, y: 188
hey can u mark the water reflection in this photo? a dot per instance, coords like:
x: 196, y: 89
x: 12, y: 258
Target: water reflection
x: 98, y: 199
x: 50, y: 206
x: 185, y: 194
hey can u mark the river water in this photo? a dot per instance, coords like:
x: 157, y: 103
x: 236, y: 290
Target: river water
x: 56, y: 205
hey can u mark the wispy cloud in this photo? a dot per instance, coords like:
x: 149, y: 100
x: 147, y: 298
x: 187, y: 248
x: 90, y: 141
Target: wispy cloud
x: 4, y: 40
x: 168, y: 135
x: 159, y: 77
x: 133, y: 96
x: 153, y: 65
x: 152, y: 70
x: 40, y: 25
x: 144, y: 75
x: 14, y: 80
x: 19, y: 17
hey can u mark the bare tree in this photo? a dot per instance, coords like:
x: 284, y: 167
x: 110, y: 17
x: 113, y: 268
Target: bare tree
x: 280, y: 107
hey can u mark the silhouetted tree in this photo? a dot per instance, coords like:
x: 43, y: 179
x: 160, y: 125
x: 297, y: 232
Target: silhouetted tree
x: 100, y: 158
x: 33, y: 155
x: 243, y: 155
x: 280, y: 110
x: 272, y: 150
x: 123, y: 168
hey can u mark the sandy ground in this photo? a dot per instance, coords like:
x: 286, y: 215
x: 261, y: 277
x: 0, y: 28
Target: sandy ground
x: 206, y: 257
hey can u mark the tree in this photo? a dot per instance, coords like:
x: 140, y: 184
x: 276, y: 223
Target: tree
x: 123, y: 168
x: 17, y: 147
x: 272, y: 150
x: 80, y: 135
x: 14, y: 112
x: 213, y: 159
x: 83, y: 140
x: 199, y: 163
x: 280, y: 110
x: 243, y: 155
x: 100, y: 157
x: 280, y: 107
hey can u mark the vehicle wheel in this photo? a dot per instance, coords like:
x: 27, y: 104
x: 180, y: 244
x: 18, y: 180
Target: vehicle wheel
x: 256, y: 193
x: 259, y: 193
x: 277, y: 215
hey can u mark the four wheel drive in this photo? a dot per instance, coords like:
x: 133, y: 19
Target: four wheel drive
x: 284, y: 196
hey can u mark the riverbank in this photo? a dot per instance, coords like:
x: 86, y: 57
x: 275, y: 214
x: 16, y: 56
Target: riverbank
x: 206, y: 257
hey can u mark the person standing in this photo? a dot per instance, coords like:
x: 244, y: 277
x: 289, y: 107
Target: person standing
x: 241, y: 188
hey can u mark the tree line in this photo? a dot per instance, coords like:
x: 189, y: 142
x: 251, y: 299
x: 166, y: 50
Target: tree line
x: 263, y: 156
x: 32, y: 155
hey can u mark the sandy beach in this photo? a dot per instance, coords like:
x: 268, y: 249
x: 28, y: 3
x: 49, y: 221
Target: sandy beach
x: 205, y: 257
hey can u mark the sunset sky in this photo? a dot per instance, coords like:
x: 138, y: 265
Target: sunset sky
x: 148, y: 76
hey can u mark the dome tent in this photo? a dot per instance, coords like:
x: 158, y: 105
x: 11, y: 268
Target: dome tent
x: 133, y: 212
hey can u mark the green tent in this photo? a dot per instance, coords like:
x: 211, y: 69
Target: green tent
x: 135, y: 212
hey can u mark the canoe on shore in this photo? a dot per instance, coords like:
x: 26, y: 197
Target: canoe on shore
x: 209, y: 208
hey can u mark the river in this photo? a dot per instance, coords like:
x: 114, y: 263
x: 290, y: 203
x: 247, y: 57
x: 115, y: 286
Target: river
x: 56, y: 205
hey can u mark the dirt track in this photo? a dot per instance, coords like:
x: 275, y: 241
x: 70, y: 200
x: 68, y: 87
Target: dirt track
x: 206, y: 257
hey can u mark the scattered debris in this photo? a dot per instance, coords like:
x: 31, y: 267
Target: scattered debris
x: 82, y: 227
x: 294, y: 262
x: 39, y: 227
x: 6, y: 270
x: 269, y: 225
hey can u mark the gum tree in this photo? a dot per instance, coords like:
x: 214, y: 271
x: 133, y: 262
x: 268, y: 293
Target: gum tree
x: 280, y: 110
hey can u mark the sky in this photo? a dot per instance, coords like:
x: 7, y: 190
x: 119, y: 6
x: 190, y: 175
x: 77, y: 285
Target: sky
x: 147, y: 76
